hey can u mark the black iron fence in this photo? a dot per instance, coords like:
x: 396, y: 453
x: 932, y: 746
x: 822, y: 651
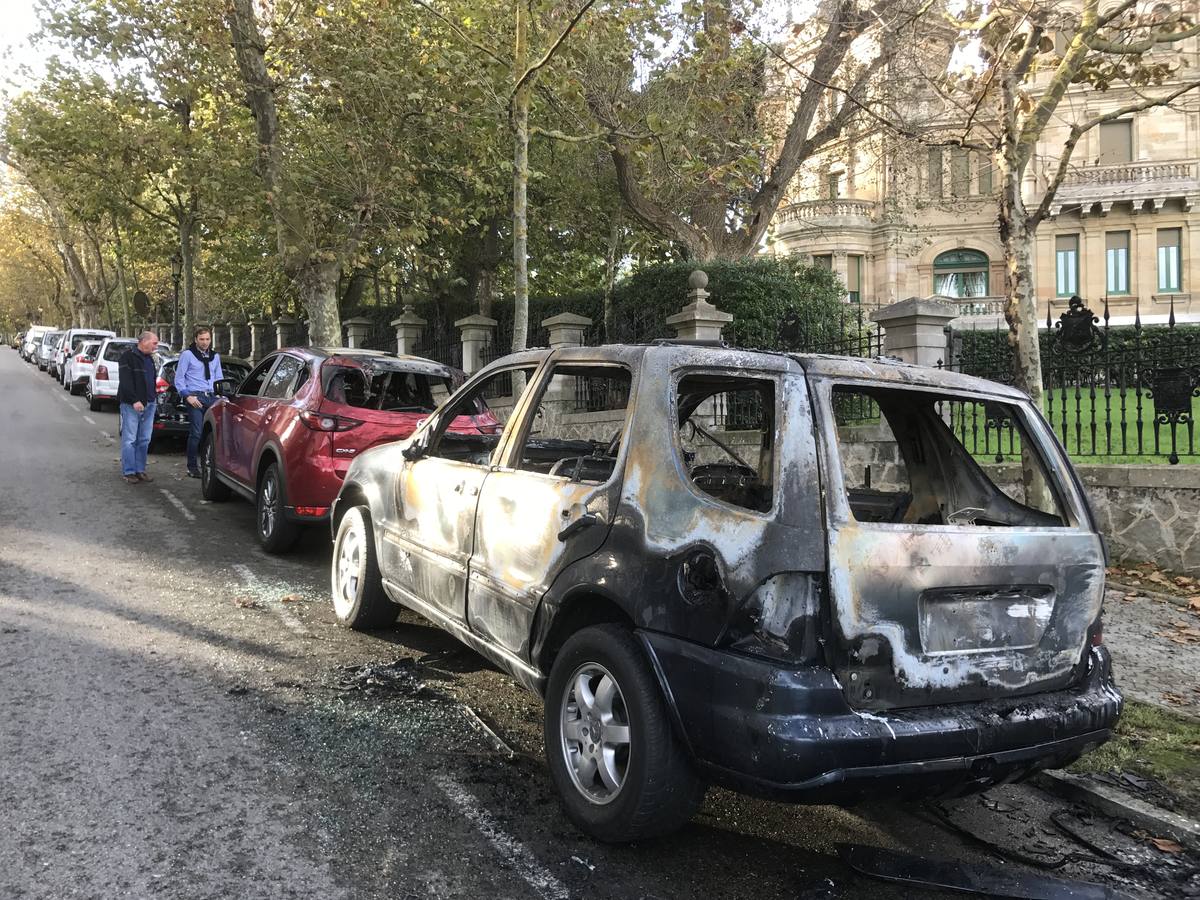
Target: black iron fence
x: 1125, y: 393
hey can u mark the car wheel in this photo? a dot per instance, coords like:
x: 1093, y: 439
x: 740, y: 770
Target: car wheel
x: 94, y: 403
x: 275, y: 533
x: 359, y: 601
x: 211, y: 487
x: 621, y: 771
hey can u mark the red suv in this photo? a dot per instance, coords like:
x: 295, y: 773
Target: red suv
x: 286, y: 435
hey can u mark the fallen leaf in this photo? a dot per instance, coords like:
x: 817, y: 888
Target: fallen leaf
x: 290, y: 598
x: 1158, y: 578
x: 1194, y: 604
x: 1174, y: 698
x: 1166, y: 845
x: 245, y: 603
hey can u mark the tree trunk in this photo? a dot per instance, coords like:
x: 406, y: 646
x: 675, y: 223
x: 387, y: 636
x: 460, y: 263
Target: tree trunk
x: 1020, y: 311
x: 187, y: 253
x: 119, y: 256
x: 612, y: 257
x: 316, y: 286
x: 520, y: 126
x: 315, y: 277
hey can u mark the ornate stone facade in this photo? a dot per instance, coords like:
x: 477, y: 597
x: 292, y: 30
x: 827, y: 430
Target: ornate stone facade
x: 890, y: 216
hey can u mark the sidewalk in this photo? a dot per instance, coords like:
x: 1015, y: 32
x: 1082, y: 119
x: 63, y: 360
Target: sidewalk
x: 1155, y: 646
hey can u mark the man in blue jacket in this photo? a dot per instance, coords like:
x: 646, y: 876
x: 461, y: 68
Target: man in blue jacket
x: 198, y: 367
x: 136, y: 396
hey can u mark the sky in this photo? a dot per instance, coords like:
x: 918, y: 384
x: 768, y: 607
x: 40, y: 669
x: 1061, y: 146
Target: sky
x: 18, y: 20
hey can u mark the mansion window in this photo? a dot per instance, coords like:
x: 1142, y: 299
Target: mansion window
x: 961, y: 273
x: 854, y: 267
x: 935, y: 171
x: 1116, y: 142
x: 1066, y: 265
x: 960, y: 172
x: 1170, y: 260
x: 824, y: 260
x: 1116, y: 260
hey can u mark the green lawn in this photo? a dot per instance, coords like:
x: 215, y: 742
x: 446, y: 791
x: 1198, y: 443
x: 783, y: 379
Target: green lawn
x: 1154, y: 743
x: 1089, y: 424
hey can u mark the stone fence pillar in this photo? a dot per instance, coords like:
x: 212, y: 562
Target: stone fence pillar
x: 284, y: 329
x: 357, y: 330
x: 409, y: 327
x: 699, y: 320
x: 258, y: 338
x: 566, y: 329
x: 914, y: 329
x: 234, y: 344
x: 478, y: 332
x: 220, y: 338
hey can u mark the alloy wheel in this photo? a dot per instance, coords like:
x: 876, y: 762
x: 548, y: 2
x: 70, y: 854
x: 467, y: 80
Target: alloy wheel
x: 594, y: 733
x: 349, y: 565
x: 268, y: 504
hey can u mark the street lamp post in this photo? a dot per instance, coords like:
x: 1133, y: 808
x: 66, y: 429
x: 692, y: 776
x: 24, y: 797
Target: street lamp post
x: 176, y: 271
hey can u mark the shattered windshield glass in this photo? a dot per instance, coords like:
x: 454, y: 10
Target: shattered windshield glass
x: 385, y: 388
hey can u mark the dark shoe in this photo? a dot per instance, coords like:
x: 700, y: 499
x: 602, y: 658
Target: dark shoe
x: 132, y: 479
x: 142, y: 476
x: 193, y: 473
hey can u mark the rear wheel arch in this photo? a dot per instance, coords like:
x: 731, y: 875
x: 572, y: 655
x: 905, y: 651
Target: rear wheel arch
x: 579, y: 609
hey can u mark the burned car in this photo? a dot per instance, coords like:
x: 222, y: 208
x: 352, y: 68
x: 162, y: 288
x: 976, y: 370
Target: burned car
x: 782, y: 573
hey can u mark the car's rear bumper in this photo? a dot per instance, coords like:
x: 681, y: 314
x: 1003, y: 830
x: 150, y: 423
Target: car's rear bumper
x: 311, y: 495
x: 789, y: 733
x: 105, y: 390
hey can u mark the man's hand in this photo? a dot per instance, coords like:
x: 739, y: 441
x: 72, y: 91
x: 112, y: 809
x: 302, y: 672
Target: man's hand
x: 139, y: 406
x: 194, y: 402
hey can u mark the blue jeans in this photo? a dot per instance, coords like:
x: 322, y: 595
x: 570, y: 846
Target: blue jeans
x: 136, y: 428
x: 196, y: 420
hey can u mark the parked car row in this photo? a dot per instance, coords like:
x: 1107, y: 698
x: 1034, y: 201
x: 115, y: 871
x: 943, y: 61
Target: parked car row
x: 708, y: 572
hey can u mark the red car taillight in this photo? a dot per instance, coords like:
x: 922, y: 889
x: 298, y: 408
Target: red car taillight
x: 326, y: 422
x: 81, y: 359
x: 102, y: 373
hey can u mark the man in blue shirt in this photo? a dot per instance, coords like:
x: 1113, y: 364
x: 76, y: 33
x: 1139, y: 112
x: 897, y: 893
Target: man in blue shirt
x: 198, y: 367
x: 136, y: 396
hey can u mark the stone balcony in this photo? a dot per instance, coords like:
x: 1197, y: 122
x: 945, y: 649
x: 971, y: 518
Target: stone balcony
x: 832, y: 214
x: 1097, y: 188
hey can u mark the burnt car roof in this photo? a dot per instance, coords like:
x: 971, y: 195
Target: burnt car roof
x: 880, y: 369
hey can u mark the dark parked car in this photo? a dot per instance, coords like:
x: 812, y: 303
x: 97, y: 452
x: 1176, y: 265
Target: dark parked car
x: 781, y: 573
x: 285, y: 436
x: 171, y: 415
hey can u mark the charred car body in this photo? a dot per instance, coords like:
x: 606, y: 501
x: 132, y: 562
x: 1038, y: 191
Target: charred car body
x: 780, y: 573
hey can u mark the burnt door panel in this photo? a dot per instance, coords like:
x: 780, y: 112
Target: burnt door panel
x: 428, y: 542
x: 518, y: 551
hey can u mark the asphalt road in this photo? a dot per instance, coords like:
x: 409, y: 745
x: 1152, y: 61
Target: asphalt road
x: 180, y: 716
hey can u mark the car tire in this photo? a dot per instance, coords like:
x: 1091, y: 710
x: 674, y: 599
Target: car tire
x: 641, y: 783
x: 211, y: 487
x: 94, y: 403
x: 275, y: 533
x: 359, y: 601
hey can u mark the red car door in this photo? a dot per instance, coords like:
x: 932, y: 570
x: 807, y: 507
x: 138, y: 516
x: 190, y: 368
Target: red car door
x: 241, y: 420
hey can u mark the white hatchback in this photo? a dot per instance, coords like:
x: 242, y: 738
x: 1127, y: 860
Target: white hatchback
x: 72, y: 341
x: 106, y: 375
x: 77, y: 370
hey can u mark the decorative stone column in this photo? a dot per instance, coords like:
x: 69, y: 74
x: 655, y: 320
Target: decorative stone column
x: 477, y: 333
x: 234, y: 345
x: 357, y: 330
x: 699, y: 320
x: 284, y: 326
x: 914, y: 329
x: 566, y: 329
x: 409, y: 327
x: 258, y: 338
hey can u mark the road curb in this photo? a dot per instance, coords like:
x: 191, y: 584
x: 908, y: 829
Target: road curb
x: 1114, y: 802
x: 1142, y: 592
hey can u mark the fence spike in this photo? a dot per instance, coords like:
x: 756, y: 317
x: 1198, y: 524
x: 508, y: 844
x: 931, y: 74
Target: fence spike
x: 1171, y: 317
x: 1137, y: 314
x: 1049, y: 315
